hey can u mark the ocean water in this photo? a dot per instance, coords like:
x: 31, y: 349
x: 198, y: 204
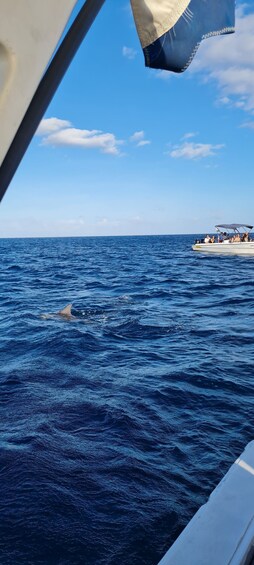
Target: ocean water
x: 117, y: 424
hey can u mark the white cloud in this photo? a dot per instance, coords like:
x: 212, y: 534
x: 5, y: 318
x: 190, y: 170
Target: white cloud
x: 87, y: 139
x: 189, y: 135
x: 60, y: 132
x: 249, y: 125
x: 163, y: 75
x: 139, y: 139
x: 39, y: 225
x: 189, y: 150
x: 228, y: 60
x: 106, y: 222
x: 137, y: 136
x: 143, y: 142
x: 129, y: 53
x: 115, y: 222
x: 224, y: 101
x: 50, y: 125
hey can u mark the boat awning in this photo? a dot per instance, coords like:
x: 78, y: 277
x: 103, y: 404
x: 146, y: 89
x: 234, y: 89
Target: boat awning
x: 36, y: 50
x: 233, y: 226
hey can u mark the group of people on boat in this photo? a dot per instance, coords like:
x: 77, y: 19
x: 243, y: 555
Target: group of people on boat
x: 230, y: 238
x: 224, y: 237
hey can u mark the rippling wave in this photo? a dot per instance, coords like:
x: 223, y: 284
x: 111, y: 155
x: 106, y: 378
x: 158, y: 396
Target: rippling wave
x: 118, y: 423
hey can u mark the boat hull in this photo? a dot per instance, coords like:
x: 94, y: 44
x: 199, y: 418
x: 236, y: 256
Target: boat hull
x: 233, y: 248
x: 222, y: 531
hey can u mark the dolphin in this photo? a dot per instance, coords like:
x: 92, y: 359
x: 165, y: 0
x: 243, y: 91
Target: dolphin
x: 64, y: 313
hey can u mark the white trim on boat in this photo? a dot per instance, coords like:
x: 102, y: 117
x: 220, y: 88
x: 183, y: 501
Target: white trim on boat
x: 240, y: 248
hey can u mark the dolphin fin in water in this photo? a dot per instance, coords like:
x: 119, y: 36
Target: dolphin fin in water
x: 66, y: 312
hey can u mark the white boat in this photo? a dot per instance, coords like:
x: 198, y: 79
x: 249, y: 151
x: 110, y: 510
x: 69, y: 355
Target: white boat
x: 231, y: 239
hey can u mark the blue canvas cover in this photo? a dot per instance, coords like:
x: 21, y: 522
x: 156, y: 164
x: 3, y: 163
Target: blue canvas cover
x: 174, y: 49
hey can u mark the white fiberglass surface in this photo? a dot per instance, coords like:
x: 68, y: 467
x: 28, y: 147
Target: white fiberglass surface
x: 4, y: 66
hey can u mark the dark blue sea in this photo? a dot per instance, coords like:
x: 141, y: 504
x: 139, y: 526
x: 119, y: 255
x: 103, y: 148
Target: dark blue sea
x: 117, y: 424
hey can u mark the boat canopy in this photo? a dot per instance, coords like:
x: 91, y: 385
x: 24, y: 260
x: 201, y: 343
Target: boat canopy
x: 233, y: 226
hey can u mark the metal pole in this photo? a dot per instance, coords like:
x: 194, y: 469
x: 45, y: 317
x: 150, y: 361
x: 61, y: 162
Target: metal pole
x: 46, y: 90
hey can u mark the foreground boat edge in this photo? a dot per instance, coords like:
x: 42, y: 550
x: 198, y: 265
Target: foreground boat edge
x: 222, y: 531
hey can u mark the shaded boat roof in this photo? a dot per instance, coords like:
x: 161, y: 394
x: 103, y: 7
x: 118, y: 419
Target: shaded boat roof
x: 234, y: 226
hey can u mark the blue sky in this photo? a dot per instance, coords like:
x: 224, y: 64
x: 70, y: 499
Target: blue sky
x: 127, y: 150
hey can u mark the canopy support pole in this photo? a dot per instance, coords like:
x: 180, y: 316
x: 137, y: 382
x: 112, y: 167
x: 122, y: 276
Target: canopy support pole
x: 46, y: 90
